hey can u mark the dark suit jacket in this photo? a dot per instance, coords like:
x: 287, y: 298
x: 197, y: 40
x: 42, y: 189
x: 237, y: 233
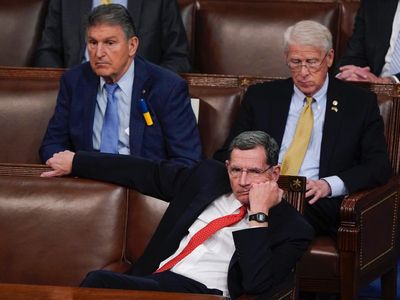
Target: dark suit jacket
x: 162, y: 37
x: 371, y: 36
x: 174, y: 134
x: 353, y: 143
x: 267, y: 255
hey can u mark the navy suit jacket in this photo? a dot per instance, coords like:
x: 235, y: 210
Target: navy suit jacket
x: 371, y: 35
x: 264, y: 257
x: 173, y: 136
x: 353, y: 142
x: 162, y: 37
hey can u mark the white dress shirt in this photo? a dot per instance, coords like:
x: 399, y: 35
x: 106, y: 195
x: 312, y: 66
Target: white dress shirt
x: 209, y: 262
x: 393, y: 38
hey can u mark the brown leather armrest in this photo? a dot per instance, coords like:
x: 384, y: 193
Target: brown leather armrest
x: 369, y: 227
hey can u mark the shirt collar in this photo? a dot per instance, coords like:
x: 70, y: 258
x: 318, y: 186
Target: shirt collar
x: 319, y: 96
x: 126, y: 81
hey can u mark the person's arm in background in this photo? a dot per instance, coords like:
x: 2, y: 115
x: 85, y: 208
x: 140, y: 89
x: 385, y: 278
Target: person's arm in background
x: 175, y: 55
x: 354, y: 64
x: 49, y: 52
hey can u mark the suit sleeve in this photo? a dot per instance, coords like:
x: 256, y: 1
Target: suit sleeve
x: 49, y: 52
x: 264, y: 260
x: 175, y: 49
x: 373, y: 166
x: 180, y: 130
x: 355, y: 52
x: 160, y: 180
x: 57, y: 136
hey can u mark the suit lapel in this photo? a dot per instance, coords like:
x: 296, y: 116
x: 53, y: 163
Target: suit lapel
x: 89, y: 97
x: 280, y: 110
x: 141, y: 88
x: 331, y: 128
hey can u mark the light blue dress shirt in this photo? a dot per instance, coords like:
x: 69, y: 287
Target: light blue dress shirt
x: 310, y: 165
x: 124, y: 98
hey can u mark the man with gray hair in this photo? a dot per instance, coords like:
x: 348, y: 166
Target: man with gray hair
x: 328, y: 130
x: 226, y: 231
x: 120, y: 103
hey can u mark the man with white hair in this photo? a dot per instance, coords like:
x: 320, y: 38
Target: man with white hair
x: 328, y: 130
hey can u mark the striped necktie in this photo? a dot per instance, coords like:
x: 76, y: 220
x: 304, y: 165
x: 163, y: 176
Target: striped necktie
x: 202, y: 235
x: 294, y: 156
x: 110, y: 130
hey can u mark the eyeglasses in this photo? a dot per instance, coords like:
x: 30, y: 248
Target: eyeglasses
x: 252, y: 173
x: 312, y: 65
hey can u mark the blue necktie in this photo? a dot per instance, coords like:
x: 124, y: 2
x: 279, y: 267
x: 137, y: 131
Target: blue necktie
x: 394, y: 67
x: 110, y: 130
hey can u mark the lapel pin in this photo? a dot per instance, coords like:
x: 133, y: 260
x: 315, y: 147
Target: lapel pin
x: 334, y: 107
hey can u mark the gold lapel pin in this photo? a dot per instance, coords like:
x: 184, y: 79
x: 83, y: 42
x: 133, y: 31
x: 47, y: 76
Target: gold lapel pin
x: 334, y: 107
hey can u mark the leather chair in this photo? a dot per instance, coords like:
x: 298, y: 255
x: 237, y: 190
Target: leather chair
x: 246, y: 37
x: 54, y: 231
x: 217, y: 110
x: 21, y: 24
x: 366, y: 247
x: 27, y: 101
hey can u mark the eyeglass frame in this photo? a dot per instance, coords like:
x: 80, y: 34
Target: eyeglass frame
x: 306, y: 64
x: 254, y: 172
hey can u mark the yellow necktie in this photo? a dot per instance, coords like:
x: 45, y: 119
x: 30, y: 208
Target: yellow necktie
x: 106, y: 1
x: 295, y: 154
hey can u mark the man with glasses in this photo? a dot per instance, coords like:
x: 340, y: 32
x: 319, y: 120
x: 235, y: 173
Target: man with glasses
x: 328, y: 130
x: 226, y: 231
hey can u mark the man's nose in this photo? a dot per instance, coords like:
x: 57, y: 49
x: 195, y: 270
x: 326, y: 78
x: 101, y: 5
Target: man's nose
x: 99, y: 50
x: 243, y: 179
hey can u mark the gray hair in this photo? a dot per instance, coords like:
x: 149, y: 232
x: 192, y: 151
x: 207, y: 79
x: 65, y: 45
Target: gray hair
x: 308, y: 33
x: 251, y: 139
x: 112, y: 14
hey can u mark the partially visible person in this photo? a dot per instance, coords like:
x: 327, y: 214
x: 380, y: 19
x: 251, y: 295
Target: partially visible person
x: 227, y: 229
x: 372, y: 54
x: 159, y: 24
x: 328, y: 130
x: 119, y: 102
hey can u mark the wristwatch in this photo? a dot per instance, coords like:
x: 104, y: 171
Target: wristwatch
x: 259, y: 217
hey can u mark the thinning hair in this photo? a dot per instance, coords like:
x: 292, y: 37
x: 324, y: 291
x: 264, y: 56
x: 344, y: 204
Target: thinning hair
x: 114, y: 15
x: 308, y: 33
x: 251, y: 139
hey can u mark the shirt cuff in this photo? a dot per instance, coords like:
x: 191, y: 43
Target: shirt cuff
x: 396, y: 80
x: 337, y: 186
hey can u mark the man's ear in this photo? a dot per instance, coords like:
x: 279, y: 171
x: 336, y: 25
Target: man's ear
x: 276, y: 172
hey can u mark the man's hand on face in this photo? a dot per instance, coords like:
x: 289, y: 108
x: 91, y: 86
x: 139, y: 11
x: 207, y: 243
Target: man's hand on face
x: 61, y: 163
x: 263, y: 196
x: 317, y: 189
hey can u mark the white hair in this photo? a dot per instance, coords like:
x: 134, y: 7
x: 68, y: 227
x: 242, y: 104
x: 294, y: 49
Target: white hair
x: 308, y: 33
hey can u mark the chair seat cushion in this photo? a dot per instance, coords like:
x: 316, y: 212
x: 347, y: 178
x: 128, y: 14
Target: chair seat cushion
x: 321, y: 259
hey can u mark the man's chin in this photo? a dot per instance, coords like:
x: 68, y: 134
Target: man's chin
x: 243, y: 198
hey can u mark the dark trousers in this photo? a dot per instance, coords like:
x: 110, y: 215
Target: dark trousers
x: 323, y: 215
x: 164, y: 281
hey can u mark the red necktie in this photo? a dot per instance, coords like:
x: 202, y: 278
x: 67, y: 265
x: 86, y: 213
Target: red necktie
x: 202, y: 235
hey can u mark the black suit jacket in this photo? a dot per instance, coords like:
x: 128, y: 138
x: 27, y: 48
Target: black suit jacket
x: 162, y: 37
x: 353, y: 143
x: 371, y: 36
x: 267, y: 255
